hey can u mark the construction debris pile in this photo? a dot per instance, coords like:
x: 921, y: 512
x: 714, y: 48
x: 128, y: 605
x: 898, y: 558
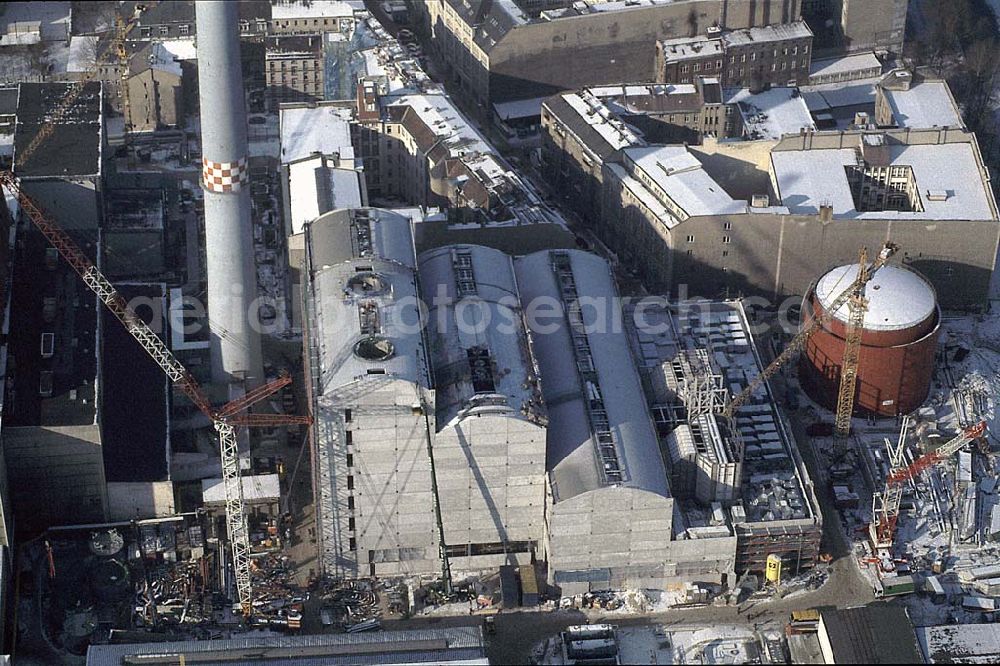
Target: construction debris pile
x: 350, y: 605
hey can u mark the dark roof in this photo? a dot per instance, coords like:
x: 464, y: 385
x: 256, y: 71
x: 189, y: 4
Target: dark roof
x: 294, y: 44
x: 8, y: 101
x: 74, y: 147
x: 654, y: 104
x: 169, y: 11
x: 134, y: 431
x: 490, y: 20
x: 876, y: 634
x: 712, y: 92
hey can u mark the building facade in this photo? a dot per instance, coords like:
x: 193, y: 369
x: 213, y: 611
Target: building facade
x: 675, y: 218
x: 776, y: 55
x: 501, y: 51
x: 293, y: 69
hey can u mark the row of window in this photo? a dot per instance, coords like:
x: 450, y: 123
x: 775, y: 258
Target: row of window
x: 164, y: 30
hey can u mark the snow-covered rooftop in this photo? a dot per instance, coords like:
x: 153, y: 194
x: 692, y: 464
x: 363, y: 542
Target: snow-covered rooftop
x: 649, y: 89
x: 297, y: 9
x: 167, y: 56
x: 599, y: 117
x: 948, y: 180
x: 960, y: 643
x: 680, y: 177
x: 897, y: 297
x: 844, y: 65
x: 322, y: 129
x: 572, y: 450
x: 926, y: 104
x: 488, y: 319
x: 317, y: 186
x: 770, y: 113
x: 767, y: 33
x: 27, y: 22
x: 363, y: 261
x: 449, y: 126
x: 688, y: 48
x: 257, y: 488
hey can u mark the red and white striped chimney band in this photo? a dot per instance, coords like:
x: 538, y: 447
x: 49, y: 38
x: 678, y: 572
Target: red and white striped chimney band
x: 224, y: 176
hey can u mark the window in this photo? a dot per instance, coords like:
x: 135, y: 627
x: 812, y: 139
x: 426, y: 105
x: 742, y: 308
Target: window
x: 727, y: 225
x: 347, y: 416
x: 350, y: 482
x: 349, y: 437
x: 726, y: 240
x: 718, y: 64
x: 792, y: 66
x: 795, y: 50
x: 164, y: 30
x: 185, y: 29
x: 732, y: 59
x: 684, y: 68
x: 350, y: 460
x: 774, y: 66
x: 753, y: 56
x: 805, y: 49
x: 690, y: 239
x: 743, y: 58
x: 784, y: 65
x: 350, y: 502
x: 146, y: 32
x: 725, y: 253
x: 350, y: 523
x: 697, y: 67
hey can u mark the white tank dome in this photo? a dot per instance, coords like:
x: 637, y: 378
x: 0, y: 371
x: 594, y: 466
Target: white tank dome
x: 898, y: 298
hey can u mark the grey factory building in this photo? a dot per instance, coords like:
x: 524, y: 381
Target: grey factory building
x: 465, y: 428
x: 764, y: 216
x: 504, y: 50
x: 381, y: 495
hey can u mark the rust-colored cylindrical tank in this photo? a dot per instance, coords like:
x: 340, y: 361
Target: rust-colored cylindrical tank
x: 898, y: 343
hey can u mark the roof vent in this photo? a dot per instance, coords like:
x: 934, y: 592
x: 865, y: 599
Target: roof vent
x: 937, y: 195
x: 760, y: 201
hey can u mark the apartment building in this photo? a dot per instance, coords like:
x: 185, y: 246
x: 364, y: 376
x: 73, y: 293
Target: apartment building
x: 497, y: 51
x: 754, y: 217
x: 293, y: 69
x: 776, y: 55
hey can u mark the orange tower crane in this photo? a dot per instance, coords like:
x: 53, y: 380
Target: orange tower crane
x: 885, y: 505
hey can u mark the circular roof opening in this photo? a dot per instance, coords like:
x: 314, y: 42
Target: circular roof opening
x: 366, y: 284
x: 374, y: 348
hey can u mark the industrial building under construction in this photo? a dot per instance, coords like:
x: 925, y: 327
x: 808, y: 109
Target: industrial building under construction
x: 459, y: 437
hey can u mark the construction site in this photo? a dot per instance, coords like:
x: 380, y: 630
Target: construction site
x: 217, y: 431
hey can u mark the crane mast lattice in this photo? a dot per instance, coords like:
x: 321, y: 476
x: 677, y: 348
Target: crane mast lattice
x: 799, y: 341
x: 227, y: 418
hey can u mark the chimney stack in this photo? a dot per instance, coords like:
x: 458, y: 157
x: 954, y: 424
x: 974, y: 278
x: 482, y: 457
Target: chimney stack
x: 232, y: 274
